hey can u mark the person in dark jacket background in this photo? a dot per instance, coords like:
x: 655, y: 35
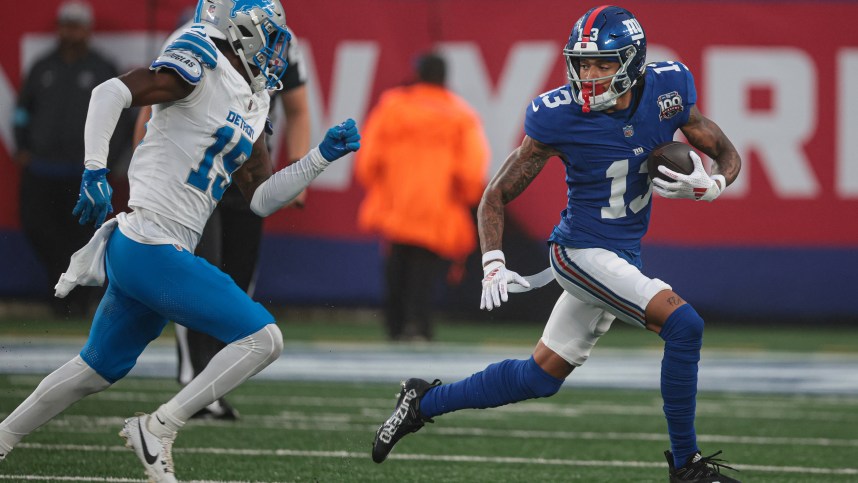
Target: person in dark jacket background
x: 48, y: 123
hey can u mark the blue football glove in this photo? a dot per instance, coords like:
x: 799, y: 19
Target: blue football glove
x: 94, y: 200
x: 340, y: 140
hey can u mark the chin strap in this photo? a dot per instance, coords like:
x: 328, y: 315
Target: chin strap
x: 257, y: 83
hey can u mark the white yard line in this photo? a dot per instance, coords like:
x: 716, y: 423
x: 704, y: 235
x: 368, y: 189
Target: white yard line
x: 339, y: 422
x: 809, y: 470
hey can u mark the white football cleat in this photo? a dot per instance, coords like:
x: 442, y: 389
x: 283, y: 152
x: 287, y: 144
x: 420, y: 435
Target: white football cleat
x: 156, y: 453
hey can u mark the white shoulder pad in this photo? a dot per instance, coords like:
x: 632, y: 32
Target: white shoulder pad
x: 184, y: 63
x: 189, y: 52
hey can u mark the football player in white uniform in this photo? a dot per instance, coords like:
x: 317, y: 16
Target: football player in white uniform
x: 210, y: 102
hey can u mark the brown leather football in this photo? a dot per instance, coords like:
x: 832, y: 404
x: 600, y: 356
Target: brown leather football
x: 672, y: 154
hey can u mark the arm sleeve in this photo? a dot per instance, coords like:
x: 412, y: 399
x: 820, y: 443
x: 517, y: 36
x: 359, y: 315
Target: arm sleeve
x: 282, y: 187
x: 105, y: 106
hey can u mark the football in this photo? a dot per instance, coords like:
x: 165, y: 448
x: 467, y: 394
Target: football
x: 673, y: 155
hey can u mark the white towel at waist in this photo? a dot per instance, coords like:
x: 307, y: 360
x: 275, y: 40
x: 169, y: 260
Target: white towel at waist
x: 87, y: 264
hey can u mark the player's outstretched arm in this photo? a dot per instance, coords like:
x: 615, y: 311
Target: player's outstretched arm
x: 516, y: 174
x: 272, y: 193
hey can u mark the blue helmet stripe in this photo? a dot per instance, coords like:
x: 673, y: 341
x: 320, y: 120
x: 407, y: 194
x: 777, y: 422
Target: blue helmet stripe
x: 198, y: 12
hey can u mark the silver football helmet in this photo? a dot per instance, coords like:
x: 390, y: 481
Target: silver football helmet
x: 256, y: 31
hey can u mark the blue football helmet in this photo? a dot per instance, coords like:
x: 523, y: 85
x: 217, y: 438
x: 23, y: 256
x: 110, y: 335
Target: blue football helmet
x: 605, y: 32
x: 256, y: 31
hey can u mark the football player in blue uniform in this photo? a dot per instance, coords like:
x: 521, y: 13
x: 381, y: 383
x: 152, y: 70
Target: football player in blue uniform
x: 603, y: 124
x: 210, y: 106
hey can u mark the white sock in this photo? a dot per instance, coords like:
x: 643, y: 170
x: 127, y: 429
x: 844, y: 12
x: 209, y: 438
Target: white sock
x: 59, y: 390
x: 233, y: 365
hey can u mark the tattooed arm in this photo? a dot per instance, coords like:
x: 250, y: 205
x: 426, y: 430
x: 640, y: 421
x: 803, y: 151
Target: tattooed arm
x: 519, y: 169
x: 708, y: 137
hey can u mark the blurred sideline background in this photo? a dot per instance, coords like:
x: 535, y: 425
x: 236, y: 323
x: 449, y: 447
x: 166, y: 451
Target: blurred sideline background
x: 780, y: 246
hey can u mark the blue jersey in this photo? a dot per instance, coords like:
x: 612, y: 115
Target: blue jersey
x: 608, y: 187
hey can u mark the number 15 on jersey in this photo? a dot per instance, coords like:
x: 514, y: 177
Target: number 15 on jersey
x: 199, y: 178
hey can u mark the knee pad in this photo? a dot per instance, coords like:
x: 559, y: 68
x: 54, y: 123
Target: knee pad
x: 540, y: 383
x: 265, y: 345
x: 83, y: 379
x: 683, y: 325
x: 276, y: 339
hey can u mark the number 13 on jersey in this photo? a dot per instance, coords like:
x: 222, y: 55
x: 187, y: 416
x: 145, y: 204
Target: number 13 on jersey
x: 618, y: 173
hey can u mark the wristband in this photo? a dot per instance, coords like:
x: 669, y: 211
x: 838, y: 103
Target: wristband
x: 493, y: 255
x: 492, y: 265
x: 93, y: 165
x: 723, y: 180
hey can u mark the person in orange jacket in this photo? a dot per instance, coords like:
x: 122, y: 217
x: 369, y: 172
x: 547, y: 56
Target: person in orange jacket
x: 423, y: 164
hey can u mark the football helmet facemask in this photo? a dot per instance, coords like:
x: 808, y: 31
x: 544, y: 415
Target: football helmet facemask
x: 611, y: 33
x: 256, y: 31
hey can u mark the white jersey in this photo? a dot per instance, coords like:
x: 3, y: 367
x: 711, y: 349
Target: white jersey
x: 191, y: 148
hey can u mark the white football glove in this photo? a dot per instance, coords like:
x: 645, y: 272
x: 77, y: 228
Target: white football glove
x: 696, y: 186
x: 495, y: 280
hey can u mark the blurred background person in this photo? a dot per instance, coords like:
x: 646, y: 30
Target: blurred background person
x: 48, y: 125
x: 233, y: 234
x: 423, y: 164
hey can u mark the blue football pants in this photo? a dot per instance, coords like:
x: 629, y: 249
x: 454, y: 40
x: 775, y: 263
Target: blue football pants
x: 152, y: 284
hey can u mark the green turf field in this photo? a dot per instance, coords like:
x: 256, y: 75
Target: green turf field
x: 321, y: 431
x: 309, y: 431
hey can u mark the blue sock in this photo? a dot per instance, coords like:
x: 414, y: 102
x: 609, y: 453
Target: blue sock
x: 498, y: 384
x: 683, y: 336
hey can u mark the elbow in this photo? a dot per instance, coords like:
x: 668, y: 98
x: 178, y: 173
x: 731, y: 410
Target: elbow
x: 494, y: 194
x: 260, y: 213
x: 491, y: 197
x: 257, y: 204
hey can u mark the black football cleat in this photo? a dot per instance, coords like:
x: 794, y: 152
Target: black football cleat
x: 406, y: 418
x: 699, y: 469
x: 220, y: 410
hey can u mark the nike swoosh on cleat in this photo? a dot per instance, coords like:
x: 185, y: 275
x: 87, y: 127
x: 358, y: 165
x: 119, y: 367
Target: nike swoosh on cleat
x: 151, y: 459
x: 159, y: 419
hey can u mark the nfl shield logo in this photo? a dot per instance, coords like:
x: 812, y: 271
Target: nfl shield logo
x: 628, y: 131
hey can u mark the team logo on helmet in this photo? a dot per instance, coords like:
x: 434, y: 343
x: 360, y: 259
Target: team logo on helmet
x: 245, y: 6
